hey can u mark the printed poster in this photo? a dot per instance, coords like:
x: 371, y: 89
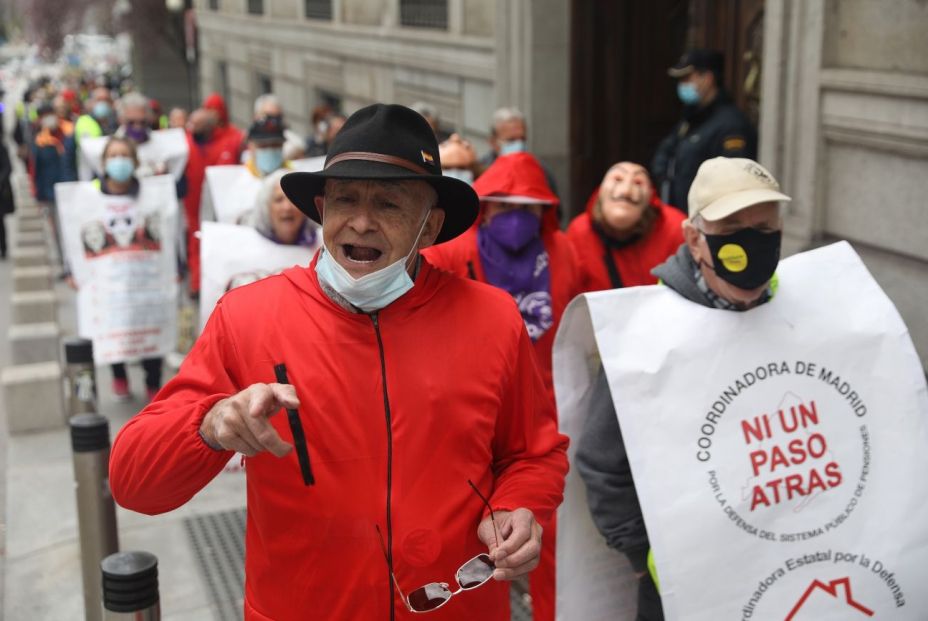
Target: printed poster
x: 779, y: 454
x: 124, y: 265
x: 233, y: 255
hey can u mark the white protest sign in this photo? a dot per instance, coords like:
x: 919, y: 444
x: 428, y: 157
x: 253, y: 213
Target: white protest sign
x: 308, y: 164
x: 122, y: 256
x: 233, y: 255
x: 165, y: 151
x: 779, y: 454
x: 231, y: 192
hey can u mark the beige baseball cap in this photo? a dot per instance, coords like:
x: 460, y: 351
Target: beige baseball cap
x: 724, y: 185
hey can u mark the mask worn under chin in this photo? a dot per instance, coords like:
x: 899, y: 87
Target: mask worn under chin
x: 372, y: 291
x: 514, y: 229
x: 746, y: 258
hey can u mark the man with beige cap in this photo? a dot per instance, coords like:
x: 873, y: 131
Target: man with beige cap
x: 727, y: 261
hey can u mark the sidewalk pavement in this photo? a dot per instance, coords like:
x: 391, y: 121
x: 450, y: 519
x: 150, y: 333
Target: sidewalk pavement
x: 39, y: 545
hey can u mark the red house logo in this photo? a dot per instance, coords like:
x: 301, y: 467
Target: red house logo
x: 838, y: 590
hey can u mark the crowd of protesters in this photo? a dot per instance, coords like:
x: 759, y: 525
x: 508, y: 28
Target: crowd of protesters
x: 515, y: 244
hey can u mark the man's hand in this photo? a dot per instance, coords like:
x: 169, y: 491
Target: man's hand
x: 519, y: 548
x: 240, y: 423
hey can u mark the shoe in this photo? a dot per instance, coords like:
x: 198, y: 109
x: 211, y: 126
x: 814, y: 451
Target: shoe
x: 151, y: 392
x: 121, y: 389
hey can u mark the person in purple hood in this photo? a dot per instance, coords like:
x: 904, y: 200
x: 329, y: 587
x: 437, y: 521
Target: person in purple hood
x: 516, y: 245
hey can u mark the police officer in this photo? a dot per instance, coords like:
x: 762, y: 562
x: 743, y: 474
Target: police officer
x: 712, y: 126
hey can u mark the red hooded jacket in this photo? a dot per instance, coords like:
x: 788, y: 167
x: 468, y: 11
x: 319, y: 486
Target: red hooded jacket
x: 633, y: 262
x: 397, y: 416
x: 519, y: 174
x: 223, y: 147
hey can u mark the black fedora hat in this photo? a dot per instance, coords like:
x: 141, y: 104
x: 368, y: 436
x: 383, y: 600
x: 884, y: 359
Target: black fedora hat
x: 387, y: 142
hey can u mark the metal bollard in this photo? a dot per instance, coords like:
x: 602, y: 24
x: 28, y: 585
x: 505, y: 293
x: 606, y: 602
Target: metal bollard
x: 81, y: 378
x: 96, y: 511
x: 130, y: 587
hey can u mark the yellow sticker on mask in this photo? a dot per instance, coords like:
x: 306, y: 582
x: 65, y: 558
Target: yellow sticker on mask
x: 733, y: 257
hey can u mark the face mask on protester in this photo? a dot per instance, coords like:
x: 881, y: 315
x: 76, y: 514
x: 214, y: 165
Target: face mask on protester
x: 201, y: 137
x: 514, y: 229
x: 268, y: 160
x: 101, y: 110
x: 372, y: 291
x: 463, y: 174
x: 50, y: 122
x: 137, y: 134
x: 507, y: 147
x: 119, y: 168
x: 687, y: 93
x: 746, y: 258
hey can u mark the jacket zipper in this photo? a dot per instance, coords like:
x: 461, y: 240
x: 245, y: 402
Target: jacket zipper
x: 386, y: 408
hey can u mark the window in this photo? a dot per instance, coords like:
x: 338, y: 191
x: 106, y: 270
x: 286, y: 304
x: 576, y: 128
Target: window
x: 256, y: 7
x: 318, y: 9
x: 213, y: 5
x: 424, y: 13
x: 265, y: 84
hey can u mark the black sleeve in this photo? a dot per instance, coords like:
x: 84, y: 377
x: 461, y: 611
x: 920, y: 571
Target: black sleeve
x: 602, y: 463
x: 662, y: 157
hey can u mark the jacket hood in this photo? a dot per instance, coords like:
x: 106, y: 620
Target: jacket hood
x: 518, y: 178
x: 217, y: 103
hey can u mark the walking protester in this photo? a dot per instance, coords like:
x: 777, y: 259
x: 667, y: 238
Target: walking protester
x: 712, y: 126
x: 509, y: 134
x: 99, y: 118
x: 53, y: 160
x: 518, y: 247
x: 434, y: 466
x: 278, y: 219
x: 109, y: 220
x: 210, y: 144
x: 694, y: 430
x: 458, y: 159
x: 625, y: 232
x: 7, y: 202
x: 275, y: 235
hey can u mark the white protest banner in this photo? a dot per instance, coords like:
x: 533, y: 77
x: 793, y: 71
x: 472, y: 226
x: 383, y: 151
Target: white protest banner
x: 233, y: 255
x: 125, y: 266
x: 779, y: 454
x: 308, y: 164
x: 164, y: 152
x: 231, y: 192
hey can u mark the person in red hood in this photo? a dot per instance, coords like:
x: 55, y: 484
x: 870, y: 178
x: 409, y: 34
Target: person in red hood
x: 625, y: 232
x: 518, y: 247
x: 419, y: 446
x: 211, y: 141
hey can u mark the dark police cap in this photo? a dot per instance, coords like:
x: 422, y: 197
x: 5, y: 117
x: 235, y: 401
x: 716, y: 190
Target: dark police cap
x: 698, y: 60
x: 387, y: 142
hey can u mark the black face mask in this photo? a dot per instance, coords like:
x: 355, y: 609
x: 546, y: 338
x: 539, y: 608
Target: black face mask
x: 201, y: 137
x: 746, y: 258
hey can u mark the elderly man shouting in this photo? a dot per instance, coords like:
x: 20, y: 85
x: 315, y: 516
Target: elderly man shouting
x: 419, y: 446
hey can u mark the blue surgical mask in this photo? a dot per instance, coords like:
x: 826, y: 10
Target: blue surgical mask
x: 101, y: 110
x: 119, y: 168
x: 511, y: 146
x: 372, y: 291
x: 269, y: 160
x: 687, y: 93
